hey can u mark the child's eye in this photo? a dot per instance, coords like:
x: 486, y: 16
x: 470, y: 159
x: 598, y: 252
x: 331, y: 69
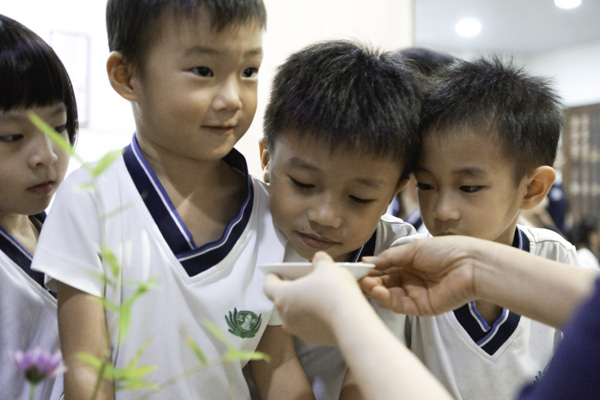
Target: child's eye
x: 250, y: 72
x: 10, y: 138
x: 424, y: 186
x: 60, y: 128
x: 203, y: 71
x: 301, y: 185
x: 470, y: 188
x: 361, y: 200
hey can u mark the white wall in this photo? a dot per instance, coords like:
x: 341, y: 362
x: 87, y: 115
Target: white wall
x: 575, y: 71
x: 291, y: 25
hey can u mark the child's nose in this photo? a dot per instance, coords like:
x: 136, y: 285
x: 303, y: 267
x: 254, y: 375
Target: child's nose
x: 446, y: 208
x: 324, y: 211
x: 228, y: 96
x: 44, y: 151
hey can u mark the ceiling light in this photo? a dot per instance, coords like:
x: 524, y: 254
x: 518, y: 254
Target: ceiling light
x: 567, y: 4
x: 468, y: 27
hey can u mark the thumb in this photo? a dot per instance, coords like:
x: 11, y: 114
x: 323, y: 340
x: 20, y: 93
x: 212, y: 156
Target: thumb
x: 273, y: 283
x: 321, y: 258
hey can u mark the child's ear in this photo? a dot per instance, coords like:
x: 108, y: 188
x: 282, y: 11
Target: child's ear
x: 120, y: 75
x: 539, y: 184
x: 265, y: 160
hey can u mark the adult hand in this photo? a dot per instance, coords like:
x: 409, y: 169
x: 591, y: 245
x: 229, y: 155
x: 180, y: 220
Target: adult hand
x: 308, y: 306
x: 425, y: 277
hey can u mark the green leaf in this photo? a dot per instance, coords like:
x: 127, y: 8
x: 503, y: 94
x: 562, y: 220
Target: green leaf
x: 90, y: 360
x: 134, y: 373
x: 236, y: 355
x: 125, y: 309
x: 124, y: 322
x: 108, y: 305
x: 214, y: 329
x: 100, y: 276
x: 56, y: 137
x: 85, y: 187
x: 105, y: 162
x: 134, y: 385
x: 139, y: 353
x: 109, y: 256
x: 104, y: 369
x: 129, y: 377
x: 199, y: 353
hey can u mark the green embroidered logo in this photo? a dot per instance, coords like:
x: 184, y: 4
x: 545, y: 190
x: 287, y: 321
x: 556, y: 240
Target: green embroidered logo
x: 244, y: 324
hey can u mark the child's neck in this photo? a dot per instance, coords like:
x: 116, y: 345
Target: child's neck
x: 22, y: 229
x: 207, y: 199
x: 490, y: 312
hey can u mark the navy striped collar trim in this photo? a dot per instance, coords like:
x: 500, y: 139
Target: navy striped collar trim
x: 194, y: 259
x: 491, y: 338
x: 18, y: 254
x: 368, y: 249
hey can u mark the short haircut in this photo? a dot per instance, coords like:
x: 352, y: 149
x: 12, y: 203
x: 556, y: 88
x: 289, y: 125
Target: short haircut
x: 32, y: 75
x: 492, y: 97
x: 348, y: 95
x: 132, y: 24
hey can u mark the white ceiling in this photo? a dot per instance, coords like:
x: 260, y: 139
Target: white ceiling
x: 518, y: 27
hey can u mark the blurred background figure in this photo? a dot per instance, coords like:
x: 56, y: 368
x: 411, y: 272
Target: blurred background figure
x: 585, y: 235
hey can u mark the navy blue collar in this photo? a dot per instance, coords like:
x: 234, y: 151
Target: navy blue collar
x: 193, y: 258
x: 18, y: 254
x: 491, y: 338
x: 367, y: 249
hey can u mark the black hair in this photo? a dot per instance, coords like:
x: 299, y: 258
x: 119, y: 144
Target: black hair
x: 31, y: 74
x: 132, y: 24
x: 348, y: 95
x: 493, y: 97
x: 427, y: 61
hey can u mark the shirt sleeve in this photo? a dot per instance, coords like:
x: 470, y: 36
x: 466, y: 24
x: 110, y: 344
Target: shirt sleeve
x: 69, y: 248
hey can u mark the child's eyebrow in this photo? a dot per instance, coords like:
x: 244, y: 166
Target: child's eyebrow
x: 475, y: 172
x: 204, y: 50
x: 373, y: 182
x: 367, y: 181
x: 471, y: 171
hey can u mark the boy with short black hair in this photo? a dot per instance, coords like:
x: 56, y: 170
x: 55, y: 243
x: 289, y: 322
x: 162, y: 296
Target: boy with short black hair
x: 341, y: 134
x: 489, y: 139
x: 178, y: 208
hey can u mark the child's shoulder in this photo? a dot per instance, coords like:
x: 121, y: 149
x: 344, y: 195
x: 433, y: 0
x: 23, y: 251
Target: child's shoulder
x: 541, y: 235
x: 389, y: 222
x: 94, y: 180
x: 390, y: 229
x: 549, y: 244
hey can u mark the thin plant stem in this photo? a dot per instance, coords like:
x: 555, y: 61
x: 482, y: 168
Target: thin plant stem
x: 99, y: 380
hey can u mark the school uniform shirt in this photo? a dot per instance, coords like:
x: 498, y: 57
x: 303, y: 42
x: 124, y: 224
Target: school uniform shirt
x: 129, y: 214
x: 477, y: 360
x: 324, y: 365
x: 27, y: 320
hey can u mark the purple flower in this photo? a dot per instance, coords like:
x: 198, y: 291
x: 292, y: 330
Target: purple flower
x: 37, y: 364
